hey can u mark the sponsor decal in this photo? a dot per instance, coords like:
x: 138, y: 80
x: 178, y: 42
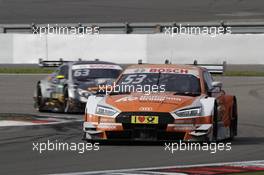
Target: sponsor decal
x: 140, y: 70
x: 96, y: 66
x: 151, y: 98
x: 106, y: 126
x: 169, y: 70
x: 144, y: 119
x: 128, y: 98
x: 162, y: 70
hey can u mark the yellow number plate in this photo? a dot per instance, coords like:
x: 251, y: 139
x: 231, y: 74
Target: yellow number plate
x: 144, y: 119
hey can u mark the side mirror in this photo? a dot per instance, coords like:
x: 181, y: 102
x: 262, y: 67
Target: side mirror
x: 216, y: 86
x: 93, y: 90
x: 60, y: 77
x: 101, y: 90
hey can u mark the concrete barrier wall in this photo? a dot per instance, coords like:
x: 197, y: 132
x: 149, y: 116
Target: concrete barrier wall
x: 235, y: 49
x: 116, y: 48
x: 6, y: 48
x: 155, y: 48
x: 27, y: 48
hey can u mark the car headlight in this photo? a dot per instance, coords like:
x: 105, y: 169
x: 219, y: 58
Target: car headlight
x: 190, y: 112
x: 83, y: 93
x: 103, y: 110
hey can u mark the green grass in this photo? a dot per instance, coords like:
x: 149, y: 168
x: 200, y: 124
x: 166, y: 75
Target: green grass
x: 245, y: 73
x: 25, y: 70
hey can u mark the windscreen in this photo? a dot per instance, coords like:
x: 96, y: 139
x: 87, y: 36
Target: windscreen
x: 85, y: 74
x: 172, y: 82
x: 94, y: 71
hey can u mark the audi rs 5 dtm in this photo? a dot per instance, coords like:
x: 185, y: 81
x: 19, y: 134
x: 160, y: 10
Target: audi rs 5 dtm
x: 67, y: 89
x: 185, y: 104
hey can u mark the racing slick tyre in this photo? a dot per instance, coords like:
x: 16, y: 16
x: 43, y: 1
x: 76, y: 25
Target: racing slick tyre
x: 66, y: 103
x: 40, y: 103
x: 215, y: 123
x: 233, y: 124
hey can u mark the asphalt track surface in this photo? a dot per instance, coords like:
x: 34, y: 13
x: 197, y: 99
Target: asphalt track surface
x: 107, y: 11
x: 17, y: 156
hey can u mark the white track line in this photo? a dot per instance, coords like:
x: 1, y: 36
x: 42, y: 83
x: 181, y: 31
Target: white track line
x: 14, y: 123
x: 6, y: 123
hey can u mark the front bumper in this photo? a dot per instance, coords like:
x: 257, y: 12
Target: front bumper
x: 56, y: 105
x: 197, y: 129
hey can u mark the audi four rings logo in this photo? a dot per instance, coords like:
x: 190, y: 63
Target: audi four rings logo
x: 145, y: 108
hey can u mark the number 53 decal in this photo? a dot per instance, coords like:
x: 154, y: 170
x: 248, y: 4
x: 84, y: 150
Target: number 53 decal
x: 134, y: 79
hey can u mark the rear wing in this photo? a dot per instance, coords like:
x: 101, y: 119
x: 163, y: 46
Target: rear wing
x: 52, y: 63
x: 212, y: 68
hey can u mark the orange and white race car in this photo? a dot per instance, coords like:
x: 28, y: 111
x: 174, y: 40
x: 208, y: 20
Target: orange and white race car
x: 161, y: 103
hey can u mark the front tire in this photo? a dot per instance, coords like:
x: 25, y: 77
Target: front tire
x: 233, y: 124
x: 215, y: 124
x: 66, y: 103
x: 40, y: 103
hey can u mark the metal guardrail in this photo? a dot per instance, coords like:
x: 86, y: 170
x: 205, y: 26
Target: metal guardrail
x: 138, y: 28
